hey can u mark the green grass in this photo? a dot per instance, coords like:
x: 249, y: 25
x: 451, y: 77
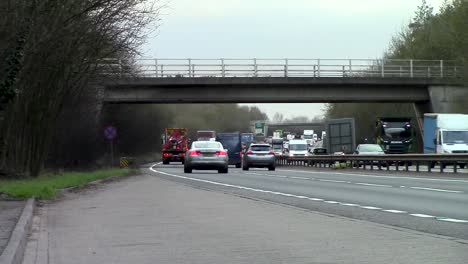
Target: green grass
x: 46, y: 186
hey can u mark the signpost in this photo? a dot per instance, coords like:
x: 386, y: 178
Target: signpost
x: 260, y: 128
x: 110, y: 132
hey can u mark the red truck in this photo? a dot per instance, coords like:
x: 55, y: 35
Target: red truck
x: 175, y: 144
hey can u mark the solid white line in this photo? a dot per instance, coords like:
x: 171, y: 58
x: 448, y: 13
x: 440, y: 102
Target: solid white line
x: 376, y: 176
x: 452, y: 220
x: 315, y: 199
x: 423, y: 215
x: 395, y: 211
x: 371, y: 184
x: 371, y: 207
x: 348, y: 204
x: 436, y: 190
x: 332, y: 202
x: 329, y: 180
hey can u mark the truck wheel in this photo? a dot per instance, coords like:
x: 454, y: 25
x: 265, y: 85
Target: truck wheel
x: 462, y: 166
x: 238, y: 165
x: 223, y: 170
x: 272, y: 168
x: 187, y: 170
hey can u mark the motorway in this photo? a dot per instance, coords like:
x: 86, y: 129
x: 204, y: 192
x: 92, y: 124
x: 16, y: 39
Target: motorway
x: 431, y: 204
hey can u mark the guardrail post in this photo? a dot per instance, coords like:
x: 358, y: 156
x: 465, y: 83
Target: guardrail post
x: 429, y: 164
x: 441, y: 167
x: 417, y: 166
x: 223, y: 68
x: 162, y: 70
x: 255, y: 68
x: 388, y: 165
x: 156, y: 67
x: 189, y: 67
x: 350, y: 68
x: 379, y: 164
x: 455, y: 167
x: 406, y: 165
x: 411, y: 68
x: 397, y: 168
x: 318, y: 68
x: 286, y: 68
x: 441, y: 68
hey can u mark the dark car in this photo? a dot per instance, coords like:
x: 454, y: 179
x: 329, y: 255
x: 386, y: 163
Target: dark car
x: 259, y: 156
x: 232, y: 142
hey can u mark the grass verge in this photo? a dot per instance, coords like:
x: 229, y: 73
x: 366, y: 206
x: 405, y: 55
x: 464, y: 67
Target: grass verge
x: 46, y: 186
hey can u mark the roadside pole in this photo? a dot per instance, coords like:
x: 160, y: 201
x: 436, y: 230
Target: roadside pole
x: 110, y: 132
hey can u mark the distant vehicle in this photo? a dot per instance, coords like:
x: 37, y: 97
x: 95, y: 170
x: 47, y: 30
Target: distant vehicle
x: 446, y: 133
x: 206, y: 135
x: 368, y: 149
x: 232, y: 142
x: 277, y: 146
x: 290, y: 136
x: 394, y: 134
x: 308, y: 136
x: 278, y: 133
x: 246, y: 139
x: 319, y: 151
x: 259, y: 156
x: 297, y: 148
x: 314, y: 138
x: 340, y: 136
x: 206, y: 155
x: 175, y: 144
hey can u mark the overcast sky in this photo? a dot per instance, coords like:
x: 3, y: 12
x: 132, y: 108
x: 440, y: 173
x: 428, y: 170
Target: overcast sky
x: 344, y: 29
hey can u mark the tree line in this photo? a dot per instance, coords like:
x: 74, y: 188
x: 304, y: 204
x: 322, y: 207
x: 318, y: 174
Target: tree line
x: 428, y: 36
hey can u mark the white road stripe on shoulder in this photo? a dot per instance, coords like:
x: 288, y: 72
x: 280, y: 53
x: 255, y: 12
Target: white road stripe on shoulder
x: 300, y: 178
x: 371, y: 184
x: 435, y: 190
x: 323, y: 180
x: 395, y: 211
x: 423, y: 215
x: 452, y: 220
x: 371, y: 207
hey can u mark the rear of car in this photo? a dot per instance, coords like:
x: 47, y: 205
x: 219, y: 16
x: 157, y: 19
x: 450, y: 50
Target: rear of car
x: 259, y: 156
x: 206, y: 155
x: 232, y: 142
x: 369, y: 149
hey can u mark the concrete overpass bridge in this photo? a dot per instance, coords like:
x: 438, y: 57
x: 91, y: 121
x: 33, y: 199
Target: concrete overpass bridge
x: 432, y: 85
x: 297, y: 128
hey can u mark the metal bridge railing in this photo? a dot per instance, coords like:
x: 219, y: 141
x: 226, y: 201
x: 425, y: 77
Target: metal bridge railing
x: 283, y: 68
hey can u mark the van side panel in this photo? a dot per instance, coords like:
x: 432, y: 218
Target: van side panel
x: 430, y: 127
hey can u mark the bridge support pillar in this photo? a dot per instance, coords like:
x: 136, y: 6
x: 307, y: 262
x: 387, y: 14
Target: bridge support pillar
x: 448, y: 99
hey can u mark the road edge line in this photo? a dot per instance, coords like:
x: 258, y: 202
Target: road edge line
x: 16, y: 246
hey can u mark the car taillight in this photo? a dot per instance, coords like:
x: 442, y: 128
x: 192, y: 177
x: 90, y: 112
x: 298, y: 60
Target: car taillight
x: 194, y: 153
x: 221, y: 153
x: 249, y: 152
x: 271, y: 153
x: 166, y: 154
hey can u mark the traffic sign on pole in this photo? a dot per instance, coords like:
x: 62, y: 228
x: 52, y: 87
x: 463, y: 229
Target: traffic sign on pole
x: 110, y: 132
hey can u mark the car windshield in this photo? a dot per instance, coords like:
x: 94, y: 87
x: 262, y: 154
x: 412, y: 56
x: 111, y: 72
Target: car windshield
x: 397, y: 132
x: 260, y: 148
x: 370, y: 148
x: 455, y: 137
x: 230, y: 142
x: 297, y: 146
x: 213, y: 145
x: 276, y: 146
x: 246, y: 138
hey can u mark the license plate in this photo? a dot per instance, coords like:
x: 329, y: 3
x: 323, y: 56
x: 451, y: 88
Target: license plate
x: 208, y: 155
x: 260, y: 154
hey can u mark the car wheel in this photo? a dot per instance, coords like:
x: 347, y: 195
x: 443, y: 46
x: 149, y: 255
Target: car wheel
x: 272, y: 168
x: 165, y: 162
x: 183, y: 161
x: 187, y: 170
x: 238, y: 165
x: 224, y: 170
x: 245, y: 167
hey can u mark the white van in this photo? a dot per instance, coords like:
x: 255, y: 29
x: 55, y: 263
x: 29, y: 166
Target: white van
x: 298, y: 148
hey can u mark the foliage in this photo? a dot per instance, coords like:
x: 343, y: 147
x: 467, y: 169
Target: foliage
x: 46, y: 186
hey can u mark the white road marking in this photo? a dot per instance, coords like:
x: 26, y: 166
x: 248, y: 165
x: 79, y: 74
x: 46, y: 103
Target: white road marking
x: 435, y: 190
x: 371, y: 184
x: 402, y: 187
x: 452, y: 220
x: 329, y: 180
x: 395, y: 211
x: 423, y: 215
x: 304, y: 197
x: 300, y: 178
x: 377, y: 176
x: 371, y: 207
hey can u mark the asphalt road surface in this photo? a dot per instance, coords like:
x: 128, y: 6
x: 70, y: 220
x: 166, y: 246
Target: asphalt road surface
x: 437, y: 205
x: 147, y: 219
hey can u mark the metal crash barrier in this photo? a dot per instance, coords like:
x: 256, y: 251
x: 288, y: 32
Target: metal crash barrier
x: 379, y: 162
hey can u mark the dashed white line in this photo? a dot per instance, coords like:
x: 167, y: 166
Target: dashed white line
x: 395, y: 211
x: 315, y: 199
x: 323, y: 180
x: 371, y: 184
x: 332, y: 202
x: 349, y: 204
x: 452, y: 220
x: 423, y: 215
x: 300, y: 178
x: 435, y: 190
x: 371, y: 207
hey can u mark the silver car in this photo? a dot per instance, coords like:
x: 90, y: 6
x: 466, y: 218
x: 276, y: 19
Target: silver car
x: 368, y: 149
x: 259, y: 156
x: 206, y: 155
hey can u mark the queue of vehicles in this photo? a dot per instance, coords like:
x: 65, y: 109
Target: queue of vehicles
x: 443, y: 133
